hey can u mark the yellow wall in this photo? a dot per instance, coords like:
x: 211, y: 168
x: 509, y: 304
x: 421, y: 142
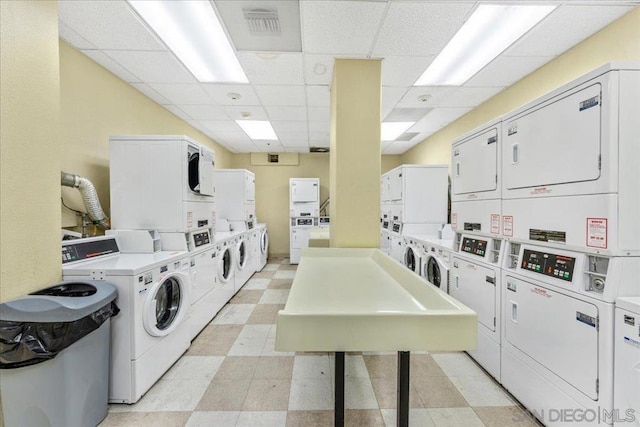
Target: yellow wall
x: 30, y: 147
x: 272, y: 190
x: 96, y: 104
x: 618, y: 41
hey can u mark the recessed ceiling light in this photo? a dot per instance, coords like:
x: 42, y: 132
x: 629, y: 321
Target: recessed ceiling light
x: 245, y: 114
x: 194, y: 34
x: 487, y: 33
x: 234, y: 96
x: 319, y: 69
x: 258, y: 129
x: 424, y: 98
x: 391, y: 130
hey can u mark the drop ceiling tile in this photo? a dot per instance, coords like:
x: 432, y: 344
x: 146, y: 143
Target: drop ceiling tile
x: 319, y: 143
x: 155, y: 96
x: 406, y: 114
x: 294, y: 139
x: 282, y: 96
x: 219, y: 92
x: 267, y: 146
x: 272, y: 68
x: 240, y: 113
x: 404, y: 70
x: 289, y: 126
x: 565, y: 27
x: 436, y: 95
x: 420, y: 28
x: 182, y: 93
x: 318, y: 96
x: 319, y: 126
x: 506, y: 70
x: 286, y: 113
x: 319, y: 114
x: 318, y: 69
x: 318, y: 138
x: 73, y: 38
x: 385, y: 144
x: 152, y: 67
x: 398, y: 147
x: 108, y: 25
x: 469, y: 96
x: 340, y: 27
x: 437, y: 119
x: 233, y: 137
x: 204, y: 112
x: 243, y: 147
x: 391, y: 96
x: 221, y: 125
x: 111, y: 65
x: 295, y: 149
x: 177, y: 112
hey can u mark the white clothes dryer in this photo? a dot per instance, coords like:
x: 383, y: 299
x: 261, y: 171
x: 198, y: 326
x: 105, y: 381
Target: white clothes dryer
x: 150, y: 333
x: 204, y: 281
x: 626, y: 393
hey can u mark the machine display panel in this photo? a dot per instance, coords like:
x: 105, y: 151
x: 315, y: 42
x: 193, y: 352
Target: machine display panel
x: 556, y: 266
x: 474, y: 246
x: 85, y: 250
x: 200, y: 239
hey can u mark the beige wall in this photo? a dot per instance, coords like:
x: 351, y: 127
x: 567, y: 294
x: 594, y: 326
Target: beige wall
x: 618, y: 41
x: 95, y: 104
x: 272, y: 190
x: 30, y: 147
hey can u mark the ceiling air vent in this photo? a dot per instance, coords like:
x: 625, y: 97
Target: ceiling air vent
x: 407, y: 136
x: 262, y: 21
x: 319, y: 149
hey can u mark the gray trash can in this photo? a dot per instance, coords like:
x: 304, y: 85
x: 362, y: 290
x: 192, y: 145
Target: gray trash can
x: 54, y: 355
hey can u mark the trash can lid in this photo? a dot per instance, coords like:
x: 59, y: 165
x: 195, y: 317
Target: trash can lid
x: 60, y: 304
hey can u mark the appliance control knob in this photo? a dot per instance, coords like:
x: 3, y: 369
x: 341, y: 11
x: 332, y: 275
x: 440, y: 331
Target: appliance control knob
x: 598, y: 285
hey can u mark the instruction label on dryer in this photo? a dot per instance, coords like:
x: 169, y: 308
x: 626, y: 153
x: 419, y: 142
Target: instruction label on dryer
x: 507, y: 225
x: 597, y: 232
x: 454, y: 221
x: 495, y: 223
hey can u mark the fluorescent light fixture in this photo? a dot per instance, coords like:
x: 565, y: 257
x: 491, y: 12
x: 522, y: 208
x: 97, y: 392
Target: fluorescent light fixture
x: 193, y: 32
x: 391, y: 130
x: 258, y: 129
x: 487, y: 33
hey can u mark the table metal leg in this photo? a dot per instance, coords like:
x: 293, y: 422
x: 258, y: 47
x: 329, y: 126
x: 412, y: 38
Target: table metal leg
x: 403, y: 389
x: 338, y: 419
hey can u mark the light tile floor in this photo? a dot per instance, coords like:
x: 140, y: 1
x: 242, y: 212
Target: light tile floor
x: 232, y: 376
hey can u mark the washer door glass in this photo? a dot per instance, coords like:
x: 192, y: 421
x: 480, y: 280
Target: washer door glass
x: 226, y: 264
x: 433, y: 272
x: 164, y: 309
x: 242, y: 254
x: 264, y: 242
x: 410, y: 259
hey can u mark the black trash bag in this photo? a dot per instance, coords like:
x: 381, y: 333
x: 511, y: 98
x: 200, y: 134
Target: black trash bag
x: 29, y: 343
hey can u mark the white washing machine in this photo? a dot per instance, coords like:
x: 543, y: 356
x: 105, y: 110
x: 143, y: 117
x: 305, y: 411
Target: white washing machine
x: 179, y: 196
x: 558, y: 339
x: 263, y: 242
x: 299, y: 236
x: 436, y: 261
x: 226, y: 253
x: 244, y: 271
x: 397, y: 245
x: 626, y: 394
x: 150, y: 333
x: 475, y: 280
x: 413, y: 255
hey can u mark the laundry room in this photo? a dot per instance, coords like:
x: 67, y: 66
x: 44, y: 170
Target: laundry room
x: 466, y: 252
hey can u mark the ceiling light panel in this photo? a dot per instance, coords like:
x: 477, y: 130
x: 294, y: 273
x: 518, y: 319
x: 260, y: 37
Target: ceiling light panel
x: 488, y: 32
x: 268, y: 26
x: 152, y: 67
x: 193, y: 32
x: 258, y: 129
x: 391, y: 130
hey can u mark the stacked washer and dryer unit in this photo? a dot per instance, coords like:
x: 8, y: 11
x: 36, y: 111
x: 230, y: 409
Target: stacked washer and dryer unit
x: 304, y: 213
x: 413, y: 208
x: 551, y: 194
x: 571, y: 209
x: 158, y: 254
x: 237, y: 236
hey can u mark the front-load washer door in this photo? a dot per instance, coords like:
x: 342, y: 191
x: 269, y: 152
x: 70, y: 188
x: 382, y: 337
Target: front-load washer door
x: 166, y: 304
x: 433, y: 273
x: 225, y: 268
x: 410, y: 259
x: 264, y: 242
x: 241, y: 259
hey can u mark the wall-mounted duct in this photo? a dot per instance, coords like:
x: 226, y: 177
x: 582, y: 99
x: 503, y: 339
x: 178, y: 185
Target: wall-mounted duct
x: 89, y: 197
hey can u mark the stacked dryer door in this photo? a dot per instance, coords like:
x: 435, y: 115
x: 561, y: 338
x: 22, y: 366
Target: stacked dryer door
x: 177, y: 197
x: 236, y: 194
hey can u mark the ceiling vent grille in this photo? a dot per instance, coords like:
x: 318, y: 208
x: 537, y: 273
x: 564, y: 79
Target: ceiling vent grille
x: 262, y: 21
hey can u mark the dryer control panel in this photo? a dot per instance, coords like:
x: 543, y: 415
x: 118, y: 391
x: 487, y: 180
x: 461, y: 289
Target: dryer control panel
x: 556, y: 266
x: 474, y: 246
